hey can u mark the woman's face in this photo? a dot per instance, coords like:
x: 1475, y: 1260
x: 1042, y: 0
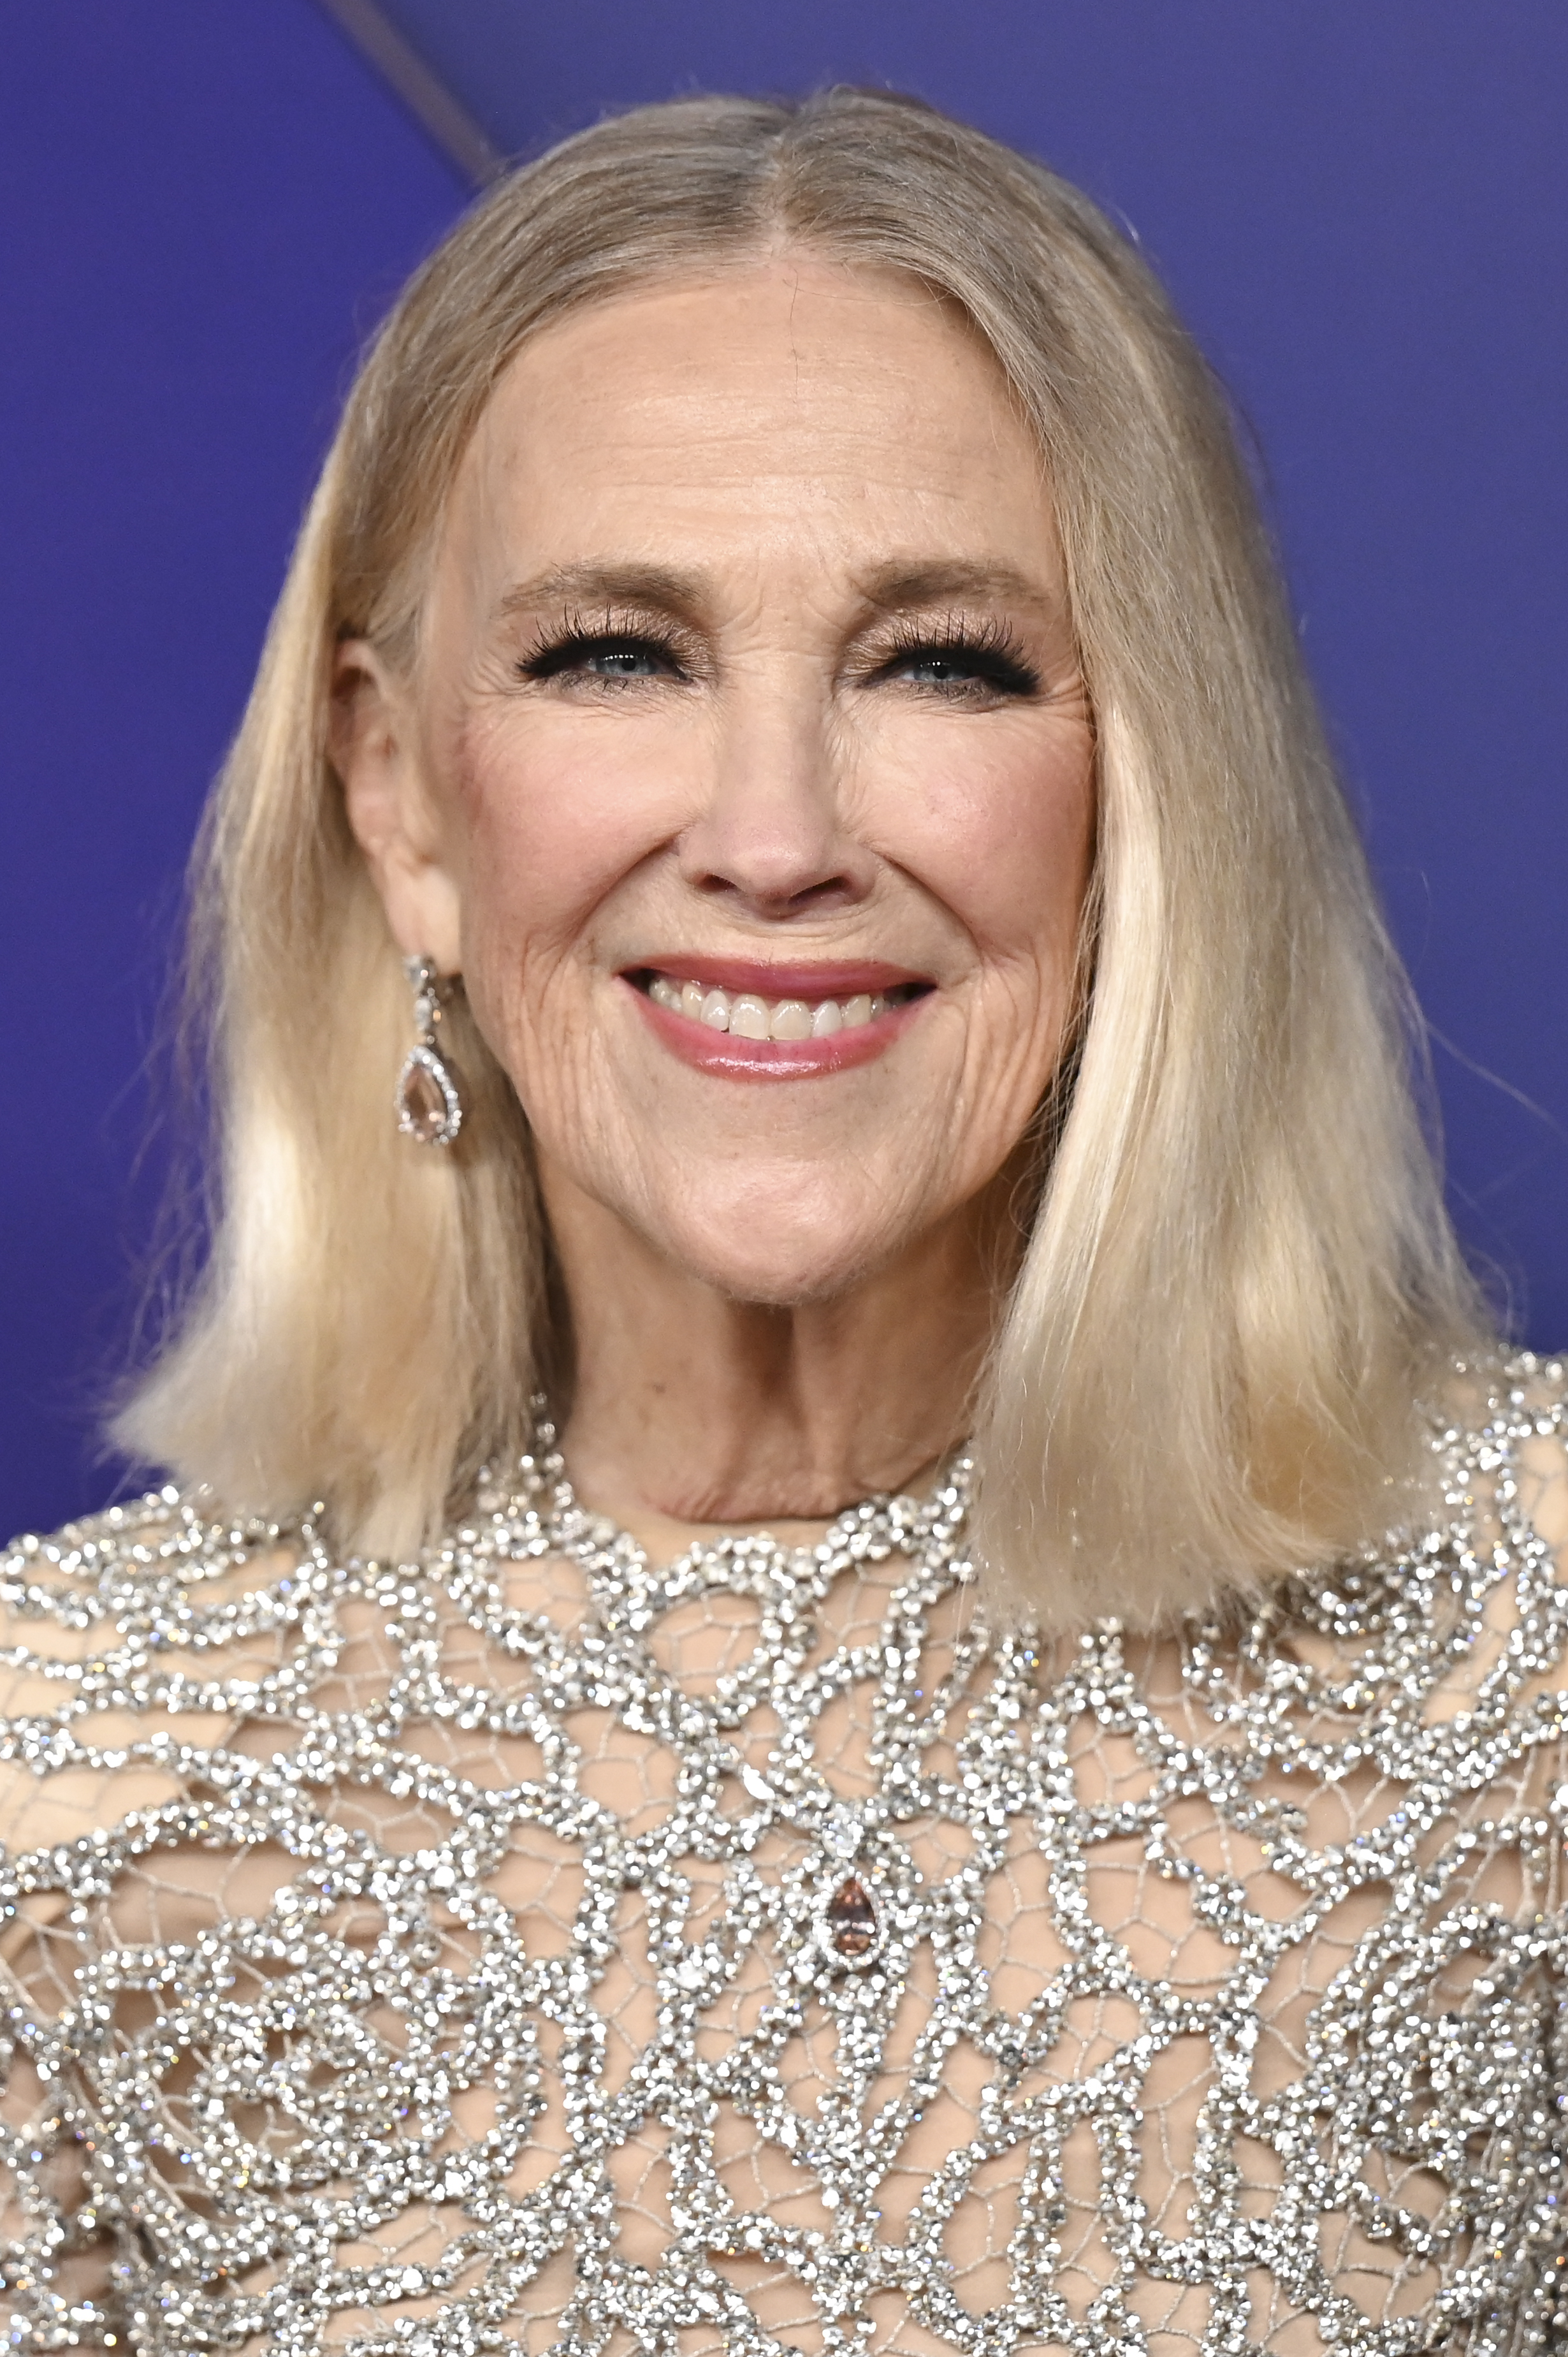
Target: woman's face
x: 748, y: 776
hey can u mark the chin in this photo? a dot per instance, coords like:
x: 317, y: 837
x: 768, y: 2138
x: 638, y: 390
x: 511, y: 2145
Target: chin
x: 762, y: 1256
x: 781, y: 1281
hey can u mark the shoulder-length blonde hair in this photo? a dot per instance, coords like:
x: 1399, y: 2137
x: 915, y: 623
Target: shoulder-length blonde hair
x: 1240, y: 1273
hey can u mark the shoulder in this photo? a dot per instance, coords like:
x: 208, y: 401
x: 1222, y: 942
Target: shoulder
x: 1465, y: 1612
x: 126, y: 1640
x: 1499, y: 1444
x: 1532, y: 1410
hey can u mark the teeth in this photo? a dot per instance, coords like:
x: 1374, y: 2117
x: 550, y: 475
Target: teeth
x: 750, y: 1018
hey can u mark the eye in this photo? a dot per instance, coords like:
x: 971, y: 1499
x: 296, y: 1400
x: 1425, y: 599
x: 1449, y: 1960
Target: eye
x: 611, y: 656
x: 944, y: 670
x: 963, y: 666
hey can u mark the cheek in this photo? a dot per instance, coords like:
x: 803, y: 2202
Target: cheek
x: 549, y: 825
x: 998, y: 824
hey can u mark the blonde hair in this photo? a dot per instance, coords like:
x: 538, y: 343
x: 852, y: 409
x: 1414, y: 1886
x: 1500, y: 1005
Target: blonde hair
x: 1240, y: 1273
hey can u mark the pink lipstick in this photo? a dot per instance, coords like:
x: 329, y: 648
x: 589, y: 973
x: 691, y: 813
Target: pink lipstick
x: 743, y: 1020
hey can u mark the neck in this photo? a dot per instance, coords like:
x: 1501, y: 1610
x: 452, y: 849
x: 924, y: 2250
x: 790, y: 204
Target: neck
x: 694, y: 1408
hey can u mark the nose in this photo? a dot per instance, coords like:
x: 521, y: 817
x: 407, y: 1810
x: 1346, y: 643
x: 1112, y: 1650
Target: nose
x: 770, y: 840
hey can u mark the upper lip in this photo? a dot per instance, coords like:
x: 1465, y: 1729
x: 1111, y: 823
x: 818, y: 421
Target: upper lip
x: 826, y: 978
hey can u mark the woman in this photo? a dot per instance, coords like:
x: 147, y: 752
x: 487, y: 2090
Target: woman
x: 784, y: 663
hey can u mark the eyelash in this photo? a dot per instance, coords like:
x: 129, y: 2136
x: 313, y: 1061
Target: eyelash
x: 574, y: 636
x: 986, y: 650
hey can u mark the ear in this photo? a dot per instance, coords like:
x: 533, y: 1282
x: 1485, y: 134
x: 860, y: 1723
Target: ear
x: 377, y: 753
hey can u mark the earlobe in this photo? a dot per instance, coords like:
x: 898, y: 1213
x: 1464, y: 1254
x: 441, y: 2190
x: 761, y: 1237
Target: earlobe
x: 377, y: 753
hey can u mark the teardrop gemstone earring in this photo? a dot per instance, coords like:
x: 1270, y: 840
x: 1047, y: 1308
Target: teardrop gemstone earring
x: 429, y: 1109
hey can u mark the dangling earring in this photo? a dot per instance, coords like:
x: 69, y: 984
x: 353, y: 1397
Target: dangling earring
x: 428, y: 1107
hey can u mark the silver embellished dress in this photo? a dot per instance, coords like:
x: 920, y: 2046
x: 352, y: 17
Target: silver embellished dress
x: 533, y: 1947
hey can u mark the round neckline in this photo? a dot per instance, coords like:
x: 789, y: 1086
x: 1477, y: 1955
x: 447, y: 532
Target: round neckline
x: 557, y: 1502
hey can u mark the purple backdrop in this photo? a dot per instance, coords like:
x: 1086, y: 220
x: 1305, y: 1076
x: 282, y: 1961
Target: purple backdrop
x: 1363, y: 211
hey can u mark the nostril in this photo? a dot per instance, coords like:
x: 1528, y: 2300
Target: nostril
x: 808, y: 899
x: 746, y: 851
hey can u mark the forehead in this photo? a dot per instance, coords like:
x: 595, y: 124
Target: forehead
x: 795, y: 395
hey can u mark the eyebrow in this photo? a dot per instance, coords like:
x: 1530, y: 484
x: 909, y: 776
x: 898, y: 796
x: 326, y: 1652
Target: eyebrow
x: 897, y: 587
x: 654, y: 586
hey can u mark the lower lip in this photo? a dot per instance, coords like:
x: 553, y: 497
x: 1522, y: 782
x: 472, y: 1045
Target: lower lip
x: 732, y: 1058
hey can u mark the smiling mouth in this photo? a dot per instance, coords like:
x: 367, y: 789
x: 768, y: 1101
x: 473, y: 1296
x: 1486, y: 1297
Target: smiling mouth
x: 787, y: 1016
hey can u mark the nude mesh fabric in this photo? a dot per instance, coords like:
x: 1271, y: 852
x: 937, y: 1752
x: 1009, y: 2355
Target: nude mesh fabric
x: 433, y: 1959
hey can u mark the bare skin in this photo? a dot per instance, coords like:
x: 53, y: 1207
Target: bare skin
x: 747, y: 662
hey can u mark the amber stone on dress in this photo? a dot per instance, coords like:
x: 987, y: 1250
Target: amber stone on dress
x: 852, y: 1919
x: 423, y: 1104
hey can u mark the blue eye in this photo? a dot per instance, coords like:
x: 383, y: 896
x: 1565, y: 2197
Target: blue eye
x: 961, y: 667
x: 601, y: 654
x: 939, y: 671
x: 623, y: 662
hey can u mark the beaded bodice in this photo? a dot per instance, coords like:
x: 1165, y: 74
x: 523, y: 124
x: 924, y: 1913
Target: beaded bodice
x: 532, y: 1946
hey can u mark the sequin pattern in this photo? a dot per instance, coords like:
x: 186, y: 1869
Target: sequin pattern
x: 532, y: 1947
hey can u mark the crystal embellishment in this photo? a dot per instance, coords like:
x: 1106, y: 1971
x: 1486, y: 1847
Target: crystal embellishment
x: 428, y: 1107
x: 850, y: 1929
x: 1265, y: 1922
